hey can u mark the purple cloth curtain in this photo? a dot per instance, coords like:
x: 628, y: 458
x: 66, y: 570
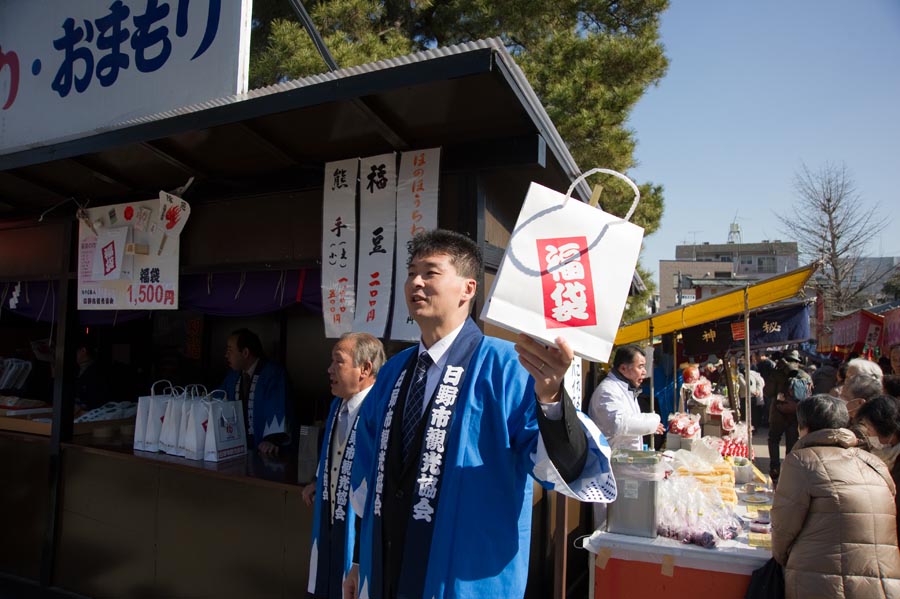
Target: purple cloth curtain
x: 217, y: 294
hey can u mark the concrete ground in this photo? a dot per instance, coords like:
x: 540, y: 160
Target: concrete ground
x: 761, y: 448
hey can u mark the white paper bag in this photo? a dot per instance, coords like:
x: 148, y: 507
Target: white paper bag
x: 193, y: 395
x: 143, y: 413
x: 168, y: 436
x: 156, y: 415
x: 225, y: 433
x: 566, y: 272
x: 196, y: 421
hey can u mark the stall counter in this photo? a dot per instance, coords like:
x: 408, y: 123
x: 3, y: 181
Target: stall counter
x: 627, y: 566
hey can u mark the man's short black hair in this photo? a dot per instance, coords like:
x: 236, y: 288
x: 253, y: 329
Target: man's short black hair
x: 626, y: 354
x: 247, y: 339
x: 465, y: 255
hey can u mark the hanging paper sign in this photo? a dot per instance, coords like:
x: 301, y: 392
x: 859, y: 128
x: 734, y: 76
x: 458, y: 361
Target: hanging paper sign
x: 173, y: 214
x: 377, y: 208
x: 118, y: 264
x: 339, y: 246
x: 565, y: 273
x: 417, y: 209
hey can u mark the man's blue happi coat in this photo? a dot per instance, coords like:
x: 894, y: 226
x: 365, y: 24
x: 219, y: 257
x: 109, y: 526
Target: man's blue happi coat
x: 348, y: 529
x: 271, y: 408
x: 482, y: 523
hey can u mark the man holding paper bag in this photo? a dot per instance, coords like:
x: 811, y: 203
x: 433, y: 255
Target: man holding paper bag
x: 448, y: 436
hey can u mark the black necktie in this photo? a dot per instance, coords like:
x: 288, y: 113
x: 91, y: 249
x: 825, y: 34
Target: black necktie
x: 412, y: 414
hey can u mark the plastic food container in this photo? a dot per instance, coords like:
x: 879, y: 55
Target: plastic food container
x: 634, y: 510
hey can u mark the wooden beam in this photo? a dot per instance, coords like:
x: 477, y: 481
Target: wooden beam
x: 168, y: 158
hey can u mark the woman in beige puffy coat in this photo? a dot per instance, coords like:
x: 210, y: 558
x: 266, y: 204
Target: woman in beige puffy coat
x: 833, y: 520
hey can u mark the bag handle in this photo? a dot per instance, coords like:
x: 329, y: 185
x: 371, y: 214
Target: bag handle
x: 234, y: 415
x: 153, y: 386
x: 194, y: 391
x: 218, y: 395
x: 606, y: 171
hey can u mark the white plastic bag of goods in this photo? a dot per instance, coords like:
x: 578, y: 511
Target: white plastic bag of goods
x: 566, y: 272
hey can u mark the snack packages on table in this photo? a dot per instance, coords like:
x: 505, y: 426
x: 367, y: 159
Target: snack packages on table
x: 735, y: 443
x: 692, y: 512
x: 684, y: 425
x: 690, y: 374
x: 727, y: 420
x: 702, y: 390
x: 709, y: 469
x: 683, y: 429
x: 715, y: 404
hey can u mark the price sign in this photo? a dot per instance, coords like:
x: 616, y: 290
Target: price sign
x: 150, y: 295
x: 127, y: 237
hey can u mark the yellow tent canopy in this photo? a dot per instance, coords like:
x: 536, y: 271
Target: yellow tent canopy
x: 759, y: 294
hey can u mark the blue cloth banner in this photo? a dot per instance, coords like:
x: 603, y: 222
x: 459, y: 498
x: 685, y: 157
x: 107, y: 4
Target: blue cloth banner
x: 772, y: 327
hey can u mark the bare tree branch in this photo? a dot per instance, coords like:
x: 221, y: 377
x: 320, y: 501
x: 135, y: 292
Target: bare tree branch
x: 830, y: 223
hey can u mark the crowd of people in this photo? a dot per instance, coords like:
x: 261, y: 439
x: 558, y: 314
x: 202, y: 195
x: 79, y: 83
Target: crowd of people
x: 834, y: 515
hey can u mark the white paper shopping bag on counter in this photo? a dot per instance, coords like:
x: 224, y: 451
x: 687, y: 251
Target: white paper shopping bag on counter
x: 566, y: 271
x: 226, y: 435
x: 142, y: 440
x: 194, y: 394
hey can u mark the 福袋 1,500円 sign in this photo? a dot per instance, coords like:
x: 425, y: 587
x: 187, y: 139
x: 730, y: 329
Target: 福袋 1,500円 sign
x: 128, y: 255
x: 72, y: 68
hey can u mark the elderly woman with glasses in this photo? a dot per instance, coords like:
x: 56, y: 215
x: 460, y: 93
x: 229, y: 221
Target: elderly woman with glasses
x: 833, y: 519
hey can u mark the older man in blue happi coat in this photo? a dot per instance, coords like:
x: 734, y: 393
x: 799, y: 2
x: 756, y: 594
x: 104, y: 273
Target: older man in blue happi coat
x: 355, y: 361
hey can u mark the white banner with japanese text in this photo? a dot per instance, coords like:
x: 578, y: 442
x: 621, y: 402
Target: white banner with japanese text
x: 573, y: 382
x: 417, y: 211
x: 339, y: 246
x: 565, y: 273
x: 128, y: 255
x: 69, y: 69
x: 377, y: 225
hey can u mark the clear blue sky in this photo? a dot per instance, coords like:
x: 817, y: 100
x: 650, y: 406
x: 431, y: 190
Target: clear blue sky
x: 756, y: 88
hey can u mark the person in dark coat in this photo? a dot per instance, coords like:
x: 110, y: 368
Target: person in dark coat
x: 91, y: 387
